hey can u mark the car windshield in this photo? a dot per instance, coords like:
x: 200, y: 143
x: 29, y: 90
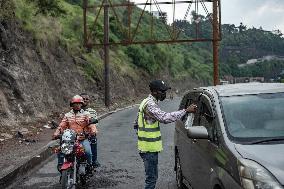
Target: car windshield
x: 253, y: 117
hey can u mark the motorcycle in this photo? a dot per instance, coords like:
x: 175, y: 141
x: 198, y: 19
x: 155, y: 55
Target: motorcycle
x: 74, y: 171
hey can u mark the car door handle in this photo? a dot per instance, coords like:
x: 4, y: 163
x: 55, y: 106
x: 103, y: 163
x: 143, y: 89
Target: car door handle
x: 193, y: 140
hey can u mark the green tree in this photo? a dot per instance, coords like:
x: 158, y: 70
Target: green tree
x: 74, y: 2
x: 7, y: 9
x: 48, y: 7
x: 242, y: 27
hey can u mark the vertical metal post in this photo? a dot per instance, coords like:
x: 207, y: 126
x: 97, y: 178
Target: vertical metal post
x: 215, y: 42
x: 106, y: 53
x: 152, y: 20
x: 129, y: 9
x: 174, y: 12
x: 85, y: 4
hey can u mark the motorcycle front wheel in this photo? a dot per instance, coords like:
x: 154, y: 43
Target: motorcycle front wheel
x: 67, y: 181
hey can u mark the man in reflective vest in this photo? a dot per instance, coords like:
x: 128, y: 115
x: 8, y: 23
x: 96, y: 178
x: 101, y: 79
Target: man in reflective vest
x: 148, y: 129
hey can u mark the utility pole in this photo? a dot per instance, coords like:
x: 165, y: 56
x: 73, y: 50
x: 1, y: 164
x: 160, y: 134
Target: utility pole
x: 85, y: 5
x: 106, y: 53
x: 215, y: 41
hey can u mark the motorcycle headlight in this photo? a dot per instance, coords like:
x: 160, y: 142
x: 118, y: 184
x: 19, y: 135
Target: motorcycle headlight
x: 254, y: 176
x: 67, y: 148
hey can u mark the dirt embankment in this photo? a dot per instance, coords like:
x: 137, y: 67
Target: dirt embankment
x: 37, y: 79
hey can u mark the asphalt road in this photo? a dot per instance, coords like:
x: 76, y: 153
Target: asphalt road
x: 122, y: 167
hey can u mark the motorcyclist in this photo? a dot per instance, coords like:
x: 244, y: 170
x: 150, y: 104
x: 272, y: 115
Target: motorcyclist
x: 93, y: 139
x: 79, y: 121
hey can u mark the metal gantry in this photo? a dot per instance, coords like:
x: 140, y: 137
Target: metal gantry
x: 130, y: 30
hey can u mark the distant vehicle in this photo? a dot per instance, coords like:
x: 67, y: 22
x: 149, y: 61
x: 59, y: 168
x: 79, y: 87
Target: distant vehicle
x: 235, y: 139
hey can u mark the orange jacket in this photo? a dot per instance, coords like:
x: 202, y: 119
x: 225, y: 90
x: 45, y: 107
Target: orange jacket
x: 78, y: 122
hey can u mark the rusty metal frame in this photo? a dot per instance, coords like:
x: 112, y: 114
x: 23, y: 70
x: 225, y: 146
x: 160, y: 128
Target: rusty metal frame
x: 173, y: 31
x: 173, y: 35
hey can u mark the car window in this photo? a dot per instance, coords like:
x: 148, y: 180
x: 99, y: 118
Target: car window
x: 250, y: 117
x: 207, y: 120
x: 189, y: 120
x: 188, y: 99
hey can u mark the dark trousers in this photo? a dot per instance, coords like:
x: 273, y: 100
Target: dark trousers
x: 94, y: 147
x: 150, y: 160
x: 60, y: 160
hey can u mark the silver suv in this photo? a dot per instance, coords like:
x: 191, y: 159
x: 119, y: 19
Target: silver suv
x: 235, y: 139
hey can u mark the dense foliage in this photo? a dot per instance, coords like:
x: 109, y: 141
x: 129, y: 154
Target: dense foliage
x: 177, y: 60
x: 267, y: 69
x: 48, y: 7
x: 238, y: 45
x: 75, y: 2
x: 6, y: 9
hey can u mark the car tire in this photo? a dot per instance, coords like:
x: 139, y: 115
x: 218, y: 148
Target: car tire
x: 179, y: 176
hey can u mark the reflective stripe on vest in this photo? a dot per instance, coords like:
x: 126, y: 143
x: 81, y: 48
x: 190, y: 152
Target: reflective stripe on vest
x: 149, y: 135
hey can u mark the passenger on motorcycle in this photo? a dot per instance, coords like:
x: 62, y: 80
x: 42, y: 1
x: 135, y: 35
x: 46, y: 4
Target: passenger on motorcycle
x: 93, y: 139
x: 79, y: 121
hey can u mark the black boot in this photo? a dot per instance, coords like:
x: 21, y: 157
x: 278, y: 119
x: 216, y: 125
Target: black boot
x: 89, y: 172
x: 96, y: 164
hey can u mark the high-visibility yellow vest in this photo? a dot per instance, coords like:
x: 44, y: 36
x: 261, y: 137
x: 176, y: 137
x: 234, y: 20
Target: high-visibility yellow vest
x: 149, y: 135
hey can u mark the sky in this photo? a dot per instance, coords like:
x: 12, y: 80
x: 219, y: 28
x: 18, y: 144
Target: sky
x: 266, y: 13
x: 269, y: 14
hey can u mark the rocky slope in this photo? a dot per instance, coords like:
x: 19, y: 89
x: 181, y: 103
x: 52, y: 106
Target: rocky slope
x: 38, y: 78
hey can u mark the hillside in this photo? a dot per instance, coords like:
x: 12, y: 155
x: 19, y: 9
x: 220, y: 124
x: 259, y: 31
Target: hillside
x: 240, y: 44
x: 43, y: 63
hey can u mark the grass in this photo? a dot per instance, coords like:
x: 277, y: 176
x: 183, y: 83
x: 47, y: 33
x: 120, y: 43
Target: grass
x: 68, y: 31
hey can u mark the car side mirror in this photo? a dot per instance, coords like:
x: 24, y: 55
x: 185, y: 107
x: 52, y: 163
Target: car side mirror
x: 197, y: 132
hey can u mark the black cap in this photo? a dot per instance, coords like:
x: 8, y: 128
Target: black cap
x: 158, y: 85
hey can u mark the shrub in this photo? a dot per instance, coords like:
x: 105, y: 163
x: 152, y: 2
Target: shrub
x: 48, y: 7
x: 7, y: 9
x: 74, y: 2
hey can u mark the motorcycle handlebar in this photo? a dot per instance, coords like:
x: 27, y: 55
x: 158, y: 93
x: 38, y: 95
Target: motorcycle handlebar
x: 93, y: 121
x: 56, y: 137
x: 86, y: 135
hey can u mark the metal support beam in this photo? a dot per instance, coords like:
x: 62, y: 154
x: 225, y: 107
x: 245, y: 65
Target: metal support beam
x: 85, y: 5
x: 153, y: 42
x: 106, y: 54
x: 131, y: 35
x: 155, y: 3
x: 215, y: 42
